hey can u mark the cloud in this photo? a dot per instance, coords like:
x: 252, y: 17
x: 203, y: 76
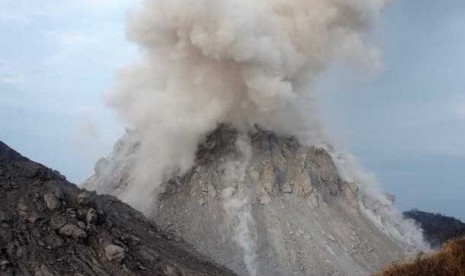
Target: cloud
x: 240, y: 62
x: 30, y: 10
x: 460, y: 110
x: 107, y: 3
x: 66, y: 45
x: 12, y: 79
x: 6, y: 15
x: 73, y: 39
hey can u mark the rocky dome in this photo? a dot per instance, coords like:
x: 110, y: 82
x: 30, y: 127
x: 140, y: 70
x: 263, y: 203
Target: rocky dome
x: 263, y: 204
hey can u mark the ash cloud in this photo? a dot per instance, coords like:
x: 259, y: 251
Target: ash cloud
x: 238, y: 207
x: 242, y: 62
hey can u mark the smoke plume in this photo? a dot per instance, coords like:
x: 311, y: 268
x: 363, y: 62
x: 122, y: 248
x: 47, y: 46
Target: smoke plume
x: 375, y: 205
x: 242, y: 62
x: 237, y: 206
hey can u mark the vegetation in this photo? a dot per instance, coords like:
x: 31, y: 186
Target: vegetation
x: 449, y: 261
x: 437, y: 228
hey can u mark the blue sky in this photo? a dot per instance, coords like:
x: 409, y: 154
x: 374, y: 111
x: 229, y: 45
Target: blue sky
x: 56, y: 59
x: 406, y: 124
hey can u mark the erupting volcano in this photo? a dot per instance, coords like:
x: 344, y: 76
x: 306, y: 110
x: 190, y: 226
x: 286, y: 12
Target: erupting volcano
x: 226, y: 147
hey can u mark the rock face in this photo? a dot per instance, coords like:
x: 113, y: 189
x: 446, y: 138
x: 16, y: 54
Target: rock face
x: 263, y: 205
x: 51, y: 227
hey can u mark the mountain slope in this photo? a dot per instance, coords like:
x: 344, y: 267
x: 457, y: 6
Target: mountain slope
x: 438, y: 228
x: 49, y: 226
x: 262, y: 204
x: 449, y: 261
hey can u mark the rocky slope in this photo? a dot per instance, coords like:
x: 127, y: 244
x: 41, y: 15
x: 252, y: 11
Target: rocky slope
x: 264, y: 205
x: 437, y: 228
x: 49, y: 226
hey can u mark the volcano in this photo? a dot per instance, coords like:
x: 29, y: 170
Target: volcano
x: 263, y: 204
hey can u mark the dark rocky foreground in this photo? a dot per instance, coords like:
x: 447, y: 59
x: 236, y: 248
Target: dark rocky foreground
x: 49, y: 226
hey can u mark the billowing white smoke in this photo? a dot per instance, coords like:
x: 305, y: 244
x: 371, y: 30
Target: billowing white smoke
x: 237, y: 206
x: 244, y: 62
x: 376, y: 205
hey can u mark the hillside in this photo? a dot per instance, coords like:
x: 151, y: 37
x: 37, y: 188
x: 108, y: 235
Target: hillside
x: 49, y: 226
x: 449, y: 261
x: 437, y: 228
x: 263, y: 204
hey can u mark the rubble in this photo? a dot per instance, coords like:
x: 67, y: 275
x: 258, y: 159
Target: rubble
x: 50, y: 227
x: 52, y: 201
x: 294, y: 194
x: 114, y: 253
x: 73, y: 231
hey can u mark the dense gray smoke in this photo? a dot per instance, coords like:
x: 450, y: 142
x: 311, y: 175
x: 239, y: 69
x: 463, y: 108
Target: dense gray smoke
x: 376, y: 205
x: 237, y: 206
x: 243, y: 62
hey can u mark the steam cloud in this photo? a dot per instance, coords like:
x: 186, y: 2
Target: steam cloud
x: 375, y: 205
x: 243, y: 62
x: 237, y: 206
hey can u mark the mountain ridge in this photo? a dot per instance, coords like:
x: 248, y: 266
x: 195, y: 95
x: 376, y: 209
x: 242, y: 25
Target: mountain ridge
x: 438, y: 228
x: 49, y: 226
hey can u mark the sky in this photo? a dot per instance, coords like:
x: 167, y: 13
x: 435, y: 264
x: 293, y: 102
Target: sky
x: 406, y: 123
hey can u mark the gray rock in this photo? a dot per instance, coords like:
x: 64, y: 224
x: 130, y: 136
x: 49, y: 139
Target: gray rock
x: 34, y: 217
x: 287, y: 188
x: 91, y: 216
x: 114, y: 253
x: 14, y: 185
x: 172, y: 271
x: 54, y: 241
x: 81, y: 225
x: 4, y: 218
x: 264, y: 199
x: 83, y: 199
x: 4, y: 264
x: 52, y: 201
x: 58, y: 193
x: 331, y: 237
x: 22, y: 207
x: 57, y: 221
x: 44, y: 271
x: 73, y: 231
